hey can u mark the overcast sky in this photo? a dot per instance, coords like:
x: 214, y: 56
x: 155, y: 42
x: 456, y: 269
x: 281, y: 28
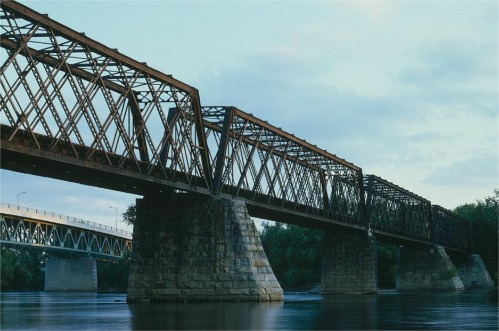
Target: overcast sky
x: 407, y: 91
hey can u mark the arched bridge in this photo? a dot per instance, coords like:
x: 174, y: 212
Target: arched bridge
x: 73, y: 109
x: 28, y: 227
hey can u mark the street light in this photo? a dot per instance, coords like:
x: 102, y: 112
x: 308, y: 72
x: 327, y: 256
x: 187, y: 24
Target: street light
x: 18, y: 194
x: 116, y: 220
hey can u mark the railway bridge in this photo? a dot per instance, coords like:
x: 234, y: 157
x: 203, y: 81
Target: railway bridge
x: 74, y: 109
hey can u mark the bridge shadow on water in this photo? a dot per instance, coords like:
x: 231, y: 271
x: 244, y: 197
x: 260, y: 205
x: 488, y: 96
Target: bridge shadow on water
x: 389, y: 310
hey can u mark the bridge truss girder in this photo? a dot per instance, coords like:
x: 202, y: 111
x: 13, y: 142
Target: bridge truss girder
x: 260, y: 162
x: 18, y: 231
x: 65, y: 93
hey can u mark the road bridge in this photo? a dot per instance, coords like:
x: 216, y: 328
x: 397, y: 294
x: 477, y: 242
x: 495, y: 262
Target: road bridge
x: 77, y: 242
x: 76, y: 110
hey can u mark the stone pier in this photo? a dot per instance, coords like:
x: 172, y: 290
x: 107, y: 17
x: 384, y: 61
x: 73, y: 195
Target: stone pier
x: 349, y: 263
x: 67, y: 275
x: 472, y: 272
x: 192, y: 248
x: 426, y: 269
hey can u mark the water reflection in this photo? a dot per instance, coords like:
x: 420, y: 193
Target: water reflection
x: 466, y: 310
x: 206, y: 316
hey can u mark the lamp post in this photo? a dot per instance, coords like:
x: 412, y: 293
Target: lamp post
x: 116, y: 219
x: 18, y: 194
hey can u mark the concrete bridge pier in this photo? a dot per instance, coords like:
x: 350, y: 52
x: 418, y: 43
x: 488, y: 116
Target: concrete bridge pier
x: 193, y: 248
x: 427, y: 269
x: 66, y: 275
x: 472, y: 271
x: 349, y: 263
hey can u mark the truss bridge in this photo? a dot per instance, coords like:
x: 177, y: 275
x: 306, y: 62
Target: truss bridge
x: 76, y: 110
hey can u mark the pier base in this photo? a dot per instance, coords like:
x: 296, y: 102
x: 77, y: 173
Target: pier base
x: 472, y: 272
x: 71, y: 275
x: 427, y: 269
x: 349, y: 264
x: 191, y: 248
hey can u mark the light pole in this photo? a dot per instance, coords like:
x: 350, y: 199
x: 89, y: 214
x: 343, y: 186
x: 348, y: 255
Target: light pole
x: 18, y: 194
x: 116, y: 219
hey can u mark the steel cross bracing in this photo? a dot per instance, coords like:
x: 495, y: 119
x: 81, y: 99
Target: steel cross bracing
x: 19, y: 231
x: 450, y: 229
x: 65, y: 93
x: 392, y: 209
x: 260, y: 162
x: 81, y: 105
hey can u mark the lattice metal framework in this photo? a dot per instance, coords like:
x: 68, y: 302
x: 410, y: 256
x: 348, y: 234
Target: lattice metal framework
x: 63, y: 92
x: 451, y: 230
x: 22, y: 231
x: 392, y: 209
x: 66, y: 94
x: 260, y: 162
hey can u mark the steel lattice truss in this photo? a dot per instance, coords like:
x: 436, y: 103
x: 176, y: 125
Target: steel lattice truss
x: 51, y: 236
x: 65, y: 93
x: 394, y: 210
x: 64, y: 96
x: 260, y: 162
x: 451, y: 230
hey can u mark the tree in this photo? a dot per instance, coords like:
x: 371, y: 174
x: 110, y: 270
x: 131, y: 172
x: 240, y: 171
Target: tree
x: 130, y: 215
x: 294, y: 253
x: 21, y: 269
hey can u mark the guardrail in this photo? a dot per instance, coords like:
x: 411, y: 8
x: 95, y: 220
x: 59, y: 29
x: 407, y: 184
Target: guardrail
x: 69, y: 219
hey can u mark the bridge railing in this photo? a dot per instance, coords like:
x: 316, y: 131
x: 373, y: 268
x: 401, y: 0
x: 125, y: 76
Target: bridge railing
x: 66, y: 219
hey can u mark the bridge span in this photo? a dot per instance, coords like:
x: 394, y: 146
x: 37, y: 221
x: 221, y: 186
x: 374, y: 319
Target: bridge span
x: 74, y: 109
x: 74, y: 244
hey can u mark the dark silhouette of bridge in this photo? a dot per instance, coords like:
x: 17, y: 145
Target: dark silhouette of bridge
x: 75, y: 110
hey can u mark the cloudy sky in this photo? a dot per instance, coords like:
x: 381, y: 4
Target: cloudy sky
x: 406, y: 90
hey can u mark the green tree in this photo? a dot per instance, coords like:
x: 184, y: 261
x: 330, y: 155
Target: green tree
x: 294, y: 253
x: 129, y: 215
x: 112, y: 276
x: 21, y: 269
x: 484, y: 216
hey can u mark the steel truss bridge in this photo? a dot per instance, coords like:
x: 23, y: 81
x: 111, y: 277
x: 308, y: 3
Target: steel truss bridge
x: 76, y: 110
x: 27, y: 227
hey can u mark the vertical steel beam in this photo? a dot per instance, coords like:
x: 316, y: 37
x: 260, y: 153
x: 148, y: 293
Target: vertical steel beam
x: 202, y: 140
x: 369, y: 199
x: 222, y: 149
x: 138, y: 126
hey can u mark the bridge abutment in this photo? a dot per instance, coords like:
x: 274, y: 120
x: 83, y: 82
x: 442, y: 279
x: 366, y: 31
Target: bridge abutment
x: 67, y: 275
x: 191, y: 248
x: 427, y: 269
x: 472, y: 271
x: 349, y: 263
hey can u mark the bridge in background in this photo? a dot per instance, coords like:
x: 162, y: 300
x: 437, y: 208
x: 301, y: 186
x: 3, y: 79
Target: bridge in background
x: 76, y: 110
x: 74, y: 244
x: 23, y: 226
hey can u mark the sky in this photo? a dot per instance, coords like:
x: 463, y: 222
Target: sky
x: 406, y: 90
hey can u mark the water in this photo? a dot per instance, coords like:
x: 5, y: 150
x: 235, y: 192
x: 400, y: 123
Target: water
x: 465, y: 310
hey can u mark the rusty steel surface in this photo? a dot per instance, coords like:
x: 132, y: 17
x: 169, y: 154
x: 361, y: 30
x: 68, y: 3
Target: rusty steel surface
x: 72, y: 108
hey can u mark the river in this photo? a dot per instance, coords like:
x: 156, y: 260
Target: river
x: 465, y: 310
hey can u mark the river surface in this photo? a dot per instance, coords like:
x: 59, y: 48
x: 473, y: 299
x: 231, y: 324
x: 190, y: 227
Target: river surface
x: 465, y: 310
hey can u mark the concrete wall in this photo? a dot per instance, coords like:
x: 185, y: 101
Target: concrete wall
x: 189, y: 248
x: 66, y: 275
x: 426, y: 268
x: 349, y: 263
